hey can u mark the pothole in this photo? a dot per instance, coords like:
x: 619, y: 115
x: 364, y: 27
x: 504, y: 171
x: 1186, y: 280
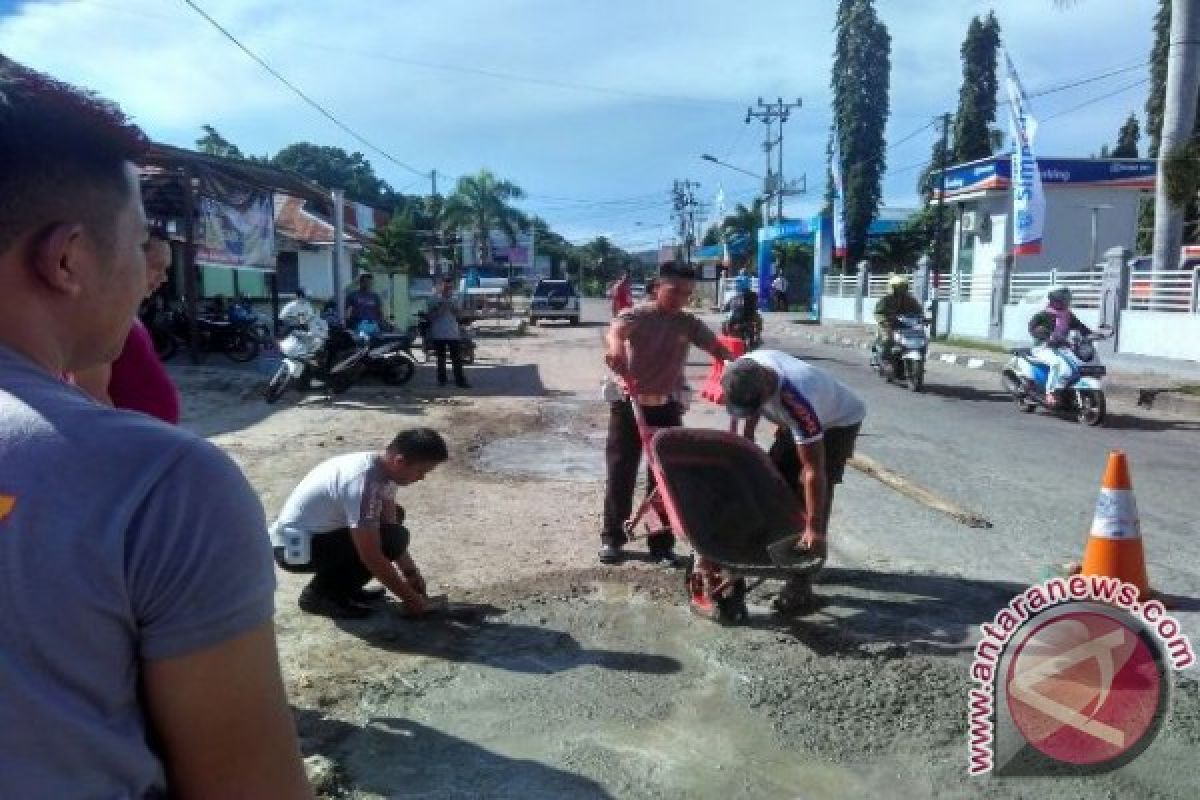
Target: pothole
x: 552, y: 457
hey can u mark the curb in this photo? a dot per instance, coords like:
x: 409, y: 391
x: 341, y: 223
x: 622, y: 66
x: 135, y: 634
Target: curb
x: 1146, y: 397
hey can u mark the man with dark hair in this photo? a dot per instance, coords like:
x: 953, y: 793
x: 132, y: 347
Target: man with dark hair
x: 139, y: 656
x: 342, y: 524
x: 817, y: 420
x: 647, y: 347
x: 364, y: 303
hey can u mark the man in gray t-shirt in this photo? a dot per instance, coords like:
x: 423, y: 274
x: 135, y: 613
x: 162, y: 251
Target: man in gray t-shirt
x: 137, y: 655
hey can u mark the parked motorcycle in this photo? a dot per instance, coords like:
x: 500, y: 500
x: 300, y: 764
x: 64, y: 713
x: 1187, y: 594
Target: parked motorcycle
x: 1025, y: 380
x: 307, y: 357
x: 388, y: 355
x: 214, y: 334
x: 749, y: 332
x: 905, y: 352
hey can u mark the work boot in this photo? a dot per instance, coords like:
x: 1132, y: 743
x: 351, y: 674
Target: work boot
x: 610, y: 554
x: 322, y: 605
x: 796, y: 597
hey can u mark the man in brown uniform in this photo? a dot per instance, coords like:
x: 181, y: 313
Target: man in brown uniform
x: 647, y: 348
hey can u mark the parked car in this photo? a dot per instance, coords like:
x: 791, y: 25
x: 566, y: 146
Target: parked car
x: 554, y: 299
x: 638, y: 290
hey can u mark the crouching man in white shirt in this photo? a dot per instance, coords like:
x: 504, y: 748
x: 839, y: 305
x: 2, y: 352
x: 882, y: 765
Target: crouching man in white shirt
x: 817, y: 421
x: 342, y: 524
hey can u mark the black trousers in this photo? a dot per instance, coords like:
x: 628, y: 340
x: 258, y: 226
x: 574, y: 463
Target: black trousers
x: 839, y: 448
x: 338, y: 571
x: 454, y: 346
x: 623, y: 454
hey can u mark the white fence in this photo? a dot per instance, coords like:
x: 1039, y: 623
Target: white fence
x: 841, y: 285
x: 1164, y: 291
x: 1084, y: 285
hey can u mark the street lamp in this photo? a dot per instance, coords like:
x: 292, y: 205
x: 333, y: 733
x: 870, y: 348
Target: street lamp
x: 716, y: 160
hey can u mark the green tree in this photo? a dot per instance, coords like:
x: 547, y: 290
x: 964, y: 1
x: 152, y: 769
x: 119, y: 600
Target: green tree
x: 334, y: 168
x: 397, y: 248
x: 972, y: 130
x: 480, y: 204
x: 861, y: 74
x: 1127, y: 139
x: 1158, y: 76
x: 214, y: 144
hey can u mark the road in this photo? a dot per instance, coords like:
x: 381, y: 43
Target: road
x: 1034, y: 477
x: 580, y: 680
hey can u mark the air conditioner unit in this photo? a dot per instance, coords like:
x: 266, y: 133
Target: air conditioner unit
x: 970, y: 221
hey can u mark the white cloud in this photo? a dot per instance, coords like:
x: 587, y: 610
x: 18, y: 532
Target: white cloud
x: 370, y: 64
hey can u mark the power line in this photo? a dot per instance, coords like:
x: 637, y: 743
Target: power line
x: 1113, y: 93
x: 919, y: 130
x: 301, y: 94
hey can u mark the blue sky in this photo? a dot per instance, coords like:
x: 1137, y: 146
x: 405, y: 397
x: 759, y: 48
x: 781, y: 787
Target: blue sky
x: 593, y: 106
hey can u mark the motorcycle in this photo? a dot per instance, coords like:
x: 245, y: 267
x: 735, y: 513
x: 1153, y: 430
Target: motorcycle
x: 214, y: 334
x: 309, y: 350
x: 387, y: 355
x: 1025, y: 379
x: 905, y: 352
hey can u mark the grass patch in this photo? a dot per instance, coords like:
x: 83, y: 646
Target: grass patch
x: 1189, y: 388
x: 974, y: 344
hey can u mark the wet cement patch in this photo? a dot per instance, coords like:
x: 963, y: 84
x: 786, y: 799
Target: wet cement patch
x: 604, y: 688
x: 551, y: 457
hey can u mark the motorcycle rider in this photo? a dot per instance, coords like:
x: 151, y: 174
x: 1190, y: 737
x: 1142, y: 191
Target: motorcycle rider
x: 744, y: 321
x: 898, y: 303
x: 1049, y: 329
x: 298, y: 309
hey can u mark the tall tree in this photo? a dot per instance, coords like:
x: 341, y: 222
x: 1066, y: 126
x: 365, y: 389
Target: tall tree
x: 1158, y: 76
x: 335, y: 168
x: 1127, y: 139
x: 481, y: 204
x: 977, y: 96
x: 861, y: 73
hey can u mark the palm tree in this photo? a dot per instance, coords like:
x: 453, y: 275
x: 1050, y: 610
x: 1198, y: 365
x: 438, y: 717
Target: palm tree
x: 481, y: 204
x: 397, y: 249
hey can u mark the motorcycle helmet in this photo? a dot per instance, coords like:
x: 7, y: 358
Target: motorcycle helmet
x: 899, y: 281
x: 1059, y: 297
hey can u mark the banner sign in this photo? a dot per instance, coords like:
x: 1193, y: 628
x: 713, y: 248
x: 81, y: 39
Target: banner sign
x: 1029, y: 202
x: 996, y: 173
x: 235, y: 225
x: 839, y: 207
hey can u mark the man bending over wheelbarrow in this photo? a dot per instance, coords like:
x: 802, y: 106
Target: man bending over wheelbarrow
x: 817, y: 420
x: 647, y: 348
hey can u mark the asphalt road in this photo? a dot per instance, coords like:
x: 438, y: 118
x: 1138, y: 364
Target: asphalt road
x: 1035, y: 477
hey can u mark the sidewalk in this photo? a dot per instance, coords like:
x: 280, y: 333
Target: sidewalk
x: 1142, y: 380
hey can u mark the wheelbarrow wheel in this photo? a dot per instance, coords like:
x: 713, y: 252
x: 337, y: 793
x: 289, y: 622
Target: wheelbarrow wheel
x: 728, y: 610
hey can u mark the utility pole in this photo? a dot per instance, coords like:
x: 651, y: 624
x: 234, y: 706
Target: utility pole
x: 937, y: 225
x: 684, y: 201
x: 339, y: 280
x: 773, y: 184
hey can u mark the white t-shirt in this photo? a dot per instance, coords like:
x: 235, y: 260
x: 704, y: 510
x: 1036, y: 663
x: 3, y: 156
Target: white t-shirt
x: 347, y: 491
x: 809, y: 400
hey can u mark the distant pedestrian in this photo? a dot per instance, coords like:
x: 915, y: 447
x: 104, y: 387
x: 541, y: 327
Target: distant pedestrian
x: 779, y: 288
x: 445, y: 331
x: 622, y: 294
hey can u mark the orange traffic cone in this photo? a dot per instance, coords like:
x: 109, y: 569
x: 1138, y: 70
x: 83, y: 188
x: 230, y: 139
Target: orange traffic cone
x: 1114, y: 546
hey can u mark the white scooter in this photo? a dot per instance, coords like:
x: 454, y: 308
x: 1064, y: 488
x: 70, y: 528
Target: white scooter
x: 1025, y: 379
